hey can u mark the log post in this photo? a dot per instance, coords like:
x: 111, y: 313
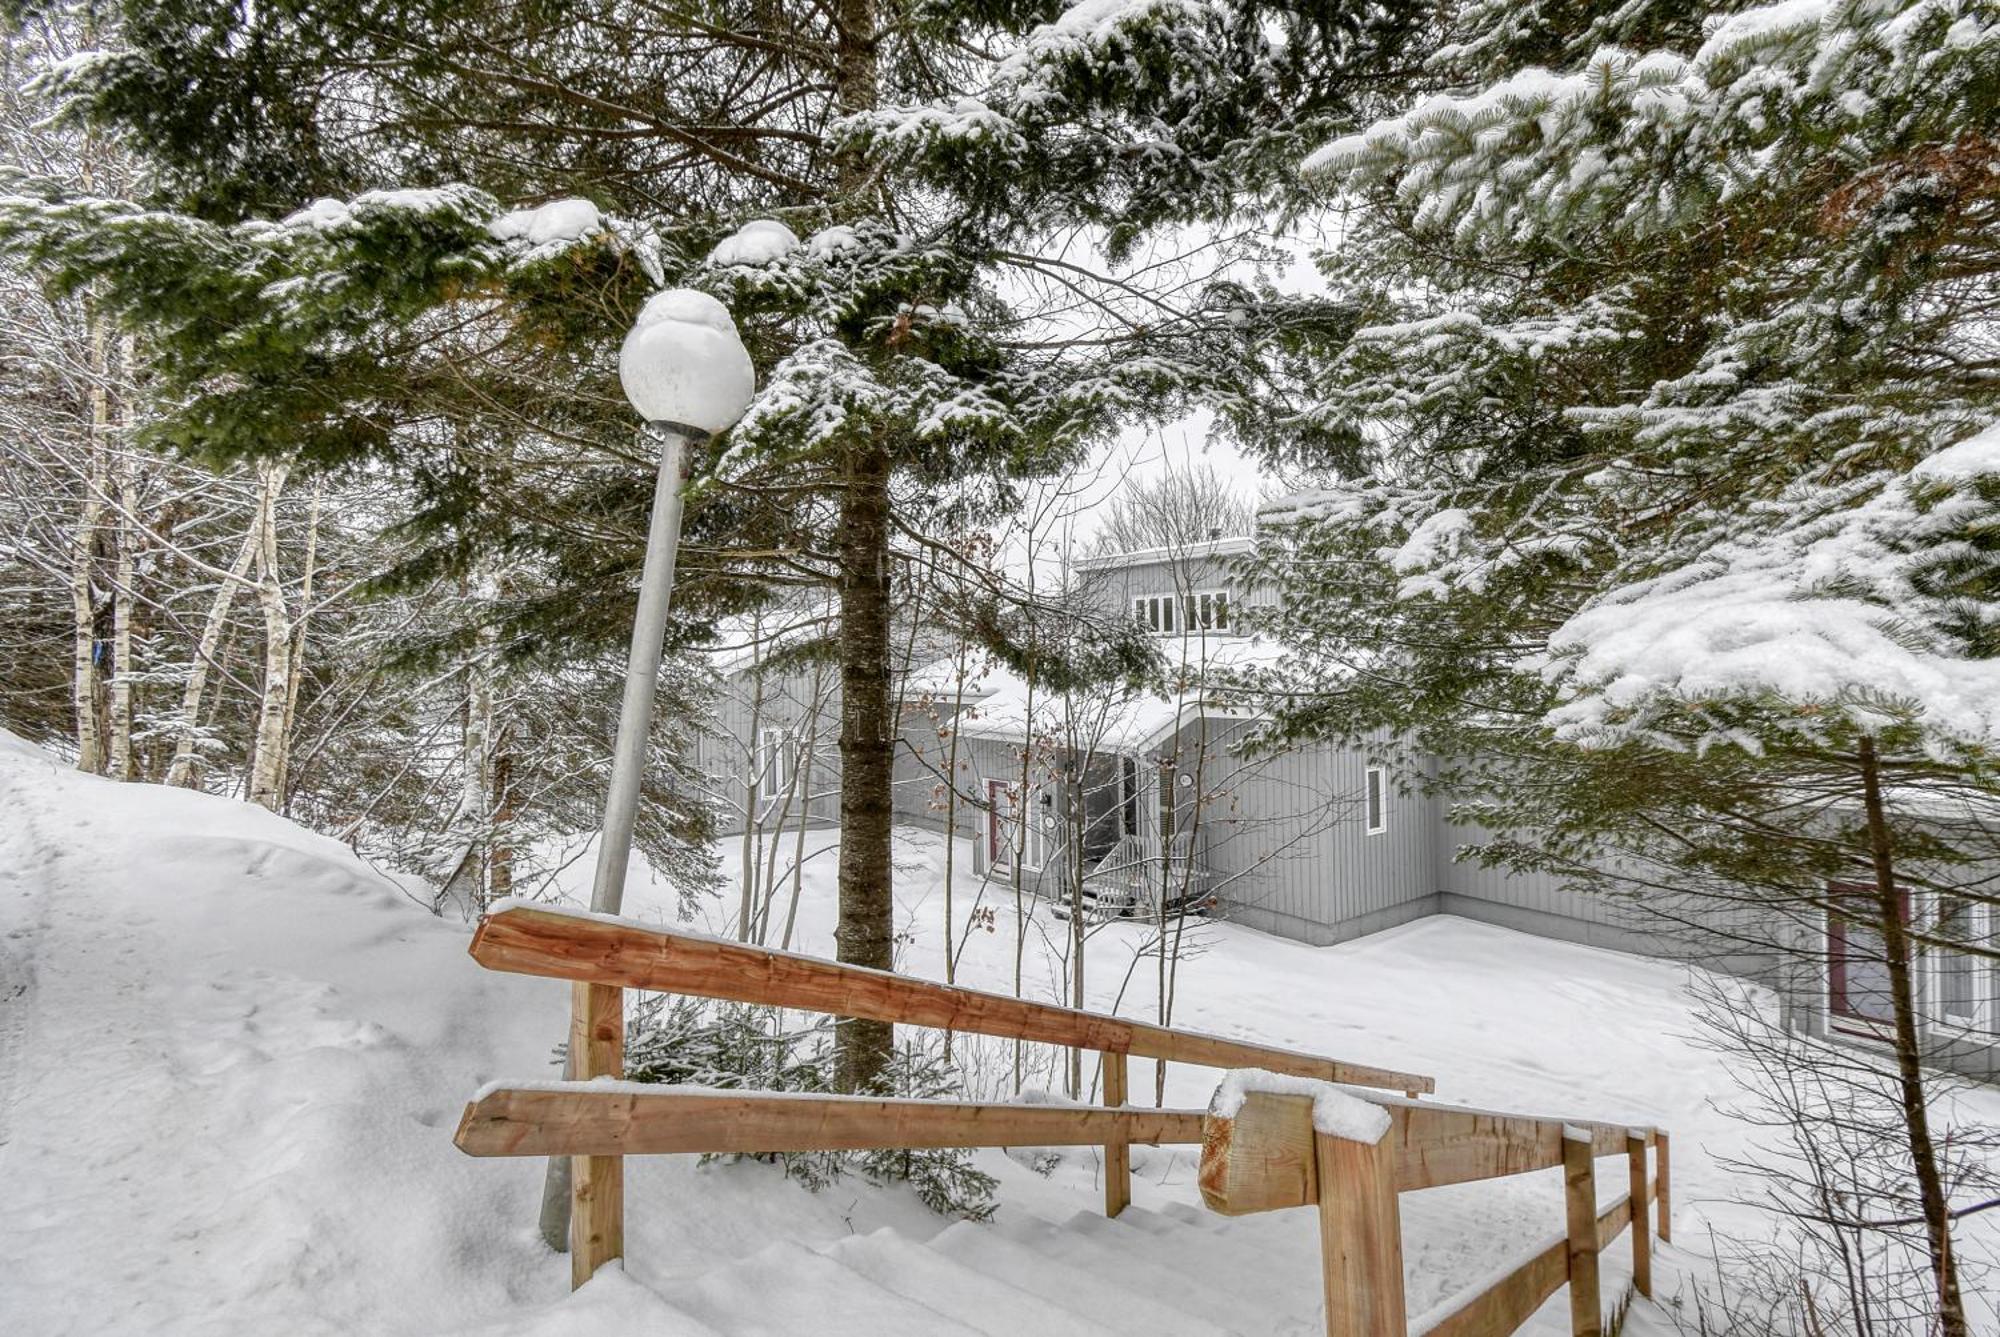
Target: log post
x: 1586, y: 1312
x: 597, y: 1183
x: 1117, y: 1152
x: 1642, y: 1236
x: 1360, y: 1236
x: 1663, y: 1176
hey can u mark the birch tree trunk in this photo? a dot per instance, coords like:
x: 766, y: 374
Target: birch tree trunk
x: 125, y: 538
x: 307, y: 573
x: 475, y: 803
x: 267, y: 768
x: 184, y: 770
x: 84, y: 687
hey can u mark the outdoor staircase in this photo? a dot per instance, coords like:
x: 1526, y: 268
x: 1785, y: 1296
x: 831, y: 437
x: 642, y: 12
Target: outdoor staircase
x: 1285, y: 1130
x: 1179, y: 1272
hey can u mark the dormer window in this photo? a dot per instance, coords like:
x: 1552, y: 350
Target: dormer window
x: 1166, y: 614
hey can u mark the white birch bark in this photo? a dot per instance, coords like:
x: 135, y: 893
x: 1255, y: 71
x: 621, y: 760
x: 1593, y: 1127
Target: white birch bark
x: 125, y: 536
x: 184, y: 771
x: 267, y: 767
x: 83, y: 563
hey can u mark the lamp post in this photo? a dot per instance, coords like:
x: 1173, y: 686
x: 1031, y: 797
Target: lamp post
x: 689, y: 377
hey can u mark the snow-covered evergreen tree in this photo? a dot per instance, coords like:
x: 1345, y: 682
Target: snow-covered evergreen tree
x: 902, y: 256
x: 1676, y: 531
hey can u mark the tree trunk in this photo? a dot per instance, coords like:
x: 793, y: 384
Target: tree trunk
x: 83, y: 569
x: 1909, y: 1057
x: 267, y: 768
x: 867, y: 735
x: 125, y: 538
x: 754, y: 783
x: 475, y: 801
x: 183, y: 771
x: 863, y: 936
x: 308, y: 569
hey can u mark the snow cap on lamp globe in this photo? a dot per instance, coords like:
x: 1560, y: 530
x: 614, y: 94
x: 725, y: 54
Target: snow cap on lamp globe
x: 682, y: 362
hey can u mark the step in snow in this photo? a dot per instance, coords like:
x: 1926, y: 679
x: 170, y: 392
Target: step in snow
x: 1117, y: 1302
x: 1269, y: 1244
x: 1280, y: 1271
x: 986, y: 1302
x: 1186, y: 1213
x: 787, y: 1289
x: 1135, y: 1264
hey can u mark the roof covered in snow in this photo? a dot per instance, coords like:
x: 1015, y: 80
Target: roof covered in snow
x: 1181, y: 552
x: 998, y: 703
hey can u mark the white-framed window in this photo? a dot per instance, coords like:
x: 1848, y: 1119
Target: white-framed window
x: 1375, y: 801
x: 1207, y: 610
x: 1157, y: 613
x: 1167, y: 614
x: 1962, y: 985
x: 773, y: 767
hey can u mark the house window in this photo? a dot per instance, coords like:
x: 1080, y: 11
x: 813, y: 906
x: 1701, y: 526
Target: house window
x: 1375, y: 801
x: 1962, y: 983
x: 772, y: 773
x: 1155, y: 612
x: 1858, y: 995
x: 1207, y: 610
x: 1167, y: 614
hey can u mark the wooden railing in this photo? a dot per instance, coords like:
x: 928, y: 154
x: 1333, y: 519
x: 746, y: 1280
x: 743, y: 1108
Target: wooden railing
x: 1266, y: 1156
x: 1269, y: 1155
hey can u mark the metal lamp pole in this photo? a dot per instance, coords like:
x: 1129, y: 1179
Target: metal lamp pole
x: 642, y: 667
x: 688, y: 376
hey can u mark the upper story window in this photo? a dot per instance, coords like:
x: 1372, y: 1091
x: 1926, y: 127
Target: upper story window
x: 1167, y: 614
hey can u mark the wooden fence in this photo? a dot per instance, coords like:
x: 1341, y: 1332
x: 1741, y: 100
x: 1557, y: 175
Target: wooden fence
x: 1267, y: 1156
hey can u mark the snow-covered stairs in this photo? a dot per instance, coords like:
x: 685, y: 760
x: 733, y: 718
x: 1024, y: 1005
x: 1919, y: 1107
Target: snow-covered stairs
x: 1180, y: 1273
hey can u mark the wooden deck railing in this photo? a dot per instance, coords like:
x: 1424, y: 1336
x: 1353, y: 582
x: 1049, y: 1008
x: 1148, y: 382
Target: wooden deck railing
x: 1266, y: 1156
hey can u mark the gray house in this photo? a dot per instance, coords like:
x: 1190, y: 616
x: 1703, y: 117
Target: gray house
x: 1112, y: 803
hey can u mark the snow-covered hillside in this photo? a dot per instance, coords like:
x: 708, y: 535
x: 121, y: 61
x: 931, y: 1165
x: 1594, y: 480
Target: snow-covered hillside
x: 232, y: 1055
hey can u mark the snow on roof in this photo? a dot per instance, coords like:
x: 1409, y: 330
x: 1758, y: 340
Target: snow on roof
x: 742, y: 641
x: 1180, y: 552
x: 997, y: 700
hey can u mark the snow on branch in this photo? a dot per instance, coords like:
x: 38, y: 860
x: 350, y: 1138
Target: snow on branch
x: 1866, y: 601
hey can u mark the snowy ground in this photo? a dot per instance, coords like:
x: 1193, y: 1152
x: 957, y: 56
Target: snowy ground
x: 231, y: 1058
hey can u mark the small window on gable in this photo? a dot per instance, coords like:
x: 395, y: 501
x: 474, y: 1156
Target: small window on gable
x: 1375, y: 802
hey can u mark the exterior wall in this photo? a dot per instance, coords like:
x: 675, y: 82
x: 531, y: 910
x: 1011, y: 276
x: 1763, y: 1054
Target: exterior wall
x: 1110, y: 585
x: 1805, y: 998
x: 1288, y: 840
x: 805, y: 704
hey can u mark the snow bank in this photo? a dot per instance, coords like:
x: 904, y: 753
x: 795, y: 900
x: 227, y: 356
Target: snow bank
x: 1337, y: 1112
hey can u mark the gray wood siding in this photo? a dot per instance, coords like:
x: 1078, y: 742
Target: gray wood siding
x: 782, y: 700
x: 1543, y: 893
x: 1287, y: 838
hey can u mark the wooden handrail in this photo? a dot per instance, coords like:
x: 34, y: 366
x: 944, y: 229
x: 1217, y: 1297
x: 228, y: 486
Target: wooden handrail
x: 1507, y: 1303
x: 629, y: 1119
x: 1261, y: 1159
x: 561, y: 944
